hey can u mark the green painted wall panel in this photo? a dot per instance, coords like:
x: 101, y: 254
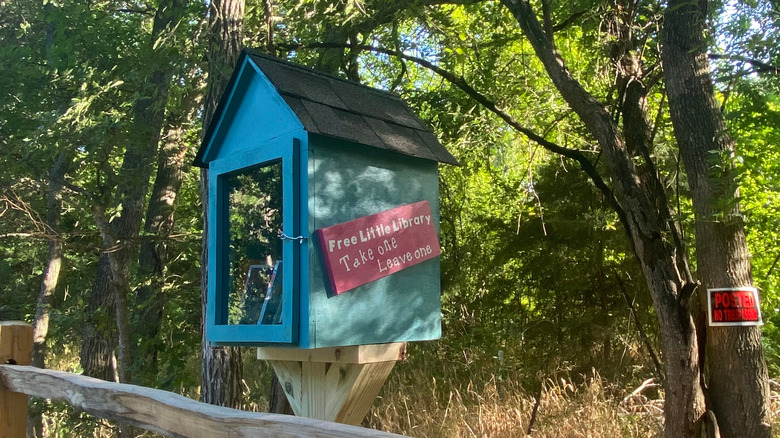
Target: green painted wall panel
x: 347, y: 181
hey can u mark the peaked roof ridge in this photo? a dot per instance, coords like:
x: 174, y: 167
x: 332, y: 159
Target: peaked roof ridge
x: 305, y: 83
x: 319, y: 73
x: 338, y: 108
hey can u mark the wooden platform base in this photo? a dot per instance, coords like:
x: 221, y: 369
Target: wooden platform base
x: 335, y: 384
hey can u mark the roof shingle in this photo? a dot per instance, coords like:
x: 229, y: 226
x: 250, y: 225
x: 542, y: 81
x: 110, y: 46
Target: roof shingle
x: 334, y: 107
x: 337, y: 108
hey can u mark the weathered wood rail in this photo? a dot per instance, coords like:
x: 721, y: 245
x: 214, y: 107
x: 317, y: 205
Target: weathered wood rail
x: 152, y: 409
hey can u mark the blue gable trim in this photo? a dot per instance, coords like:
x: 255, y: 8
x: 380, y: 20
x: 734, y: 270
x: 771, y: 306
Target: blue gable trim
x: 251, y: 111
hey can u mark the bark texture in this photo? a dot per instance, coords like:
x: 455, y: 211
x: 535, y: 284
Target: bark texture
x: 98, y: 342
x: 736, y: 374
x: 221, y: 367
x: 120, y: 235
x: 153, y: 254
x: 277, y: 402
x: 645, y: 216
x: 51, y: 274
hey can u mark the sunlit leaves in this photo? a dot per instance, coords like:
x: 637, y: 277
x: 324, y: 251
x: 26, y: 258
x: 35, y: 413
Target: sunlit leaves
x: 532, y: 255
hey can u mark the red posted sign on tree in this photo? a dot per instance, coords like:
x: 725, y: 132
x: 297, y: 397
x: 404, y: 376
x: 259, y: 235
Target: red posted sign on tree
x: 369, y: 248
x: 733, y: 306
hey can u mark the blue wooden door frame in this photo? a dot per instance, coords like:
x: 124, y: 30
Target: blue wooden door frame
x: 287, y: 150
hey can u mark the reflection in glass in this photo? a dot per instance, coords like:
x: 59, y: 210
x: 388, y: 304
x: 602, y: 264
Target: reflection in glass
x: 255, y: 250
x: 272, y: 305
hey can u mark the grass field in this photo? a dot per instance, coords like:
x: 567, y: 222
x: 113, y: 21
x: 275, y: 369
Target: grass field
x: 416, y: 405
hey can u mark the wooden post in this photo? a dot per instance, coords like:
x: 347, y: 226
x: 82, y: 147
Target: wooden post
x: 16, y: 343
x: 334, y: 384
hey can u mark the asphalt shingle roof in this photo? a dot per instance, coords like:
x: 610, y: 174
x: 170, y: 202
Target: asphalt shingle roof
x: 334, y: 107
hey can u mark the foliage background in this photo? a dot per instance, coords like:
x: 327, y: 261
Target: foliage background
x: 538, y: 279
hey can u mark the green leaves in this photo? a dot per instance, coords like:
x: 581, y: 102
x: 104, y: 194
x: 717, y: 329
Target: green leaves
x: 532, y: 255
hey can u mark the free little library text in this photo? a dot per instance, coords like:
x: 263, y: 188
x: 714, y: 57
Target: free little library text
x: 371, y: 247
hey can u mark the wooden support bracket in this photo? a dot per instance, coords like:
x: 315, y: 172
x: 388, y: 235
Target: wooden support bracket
x: 16, y: 343
x: 334, y: 384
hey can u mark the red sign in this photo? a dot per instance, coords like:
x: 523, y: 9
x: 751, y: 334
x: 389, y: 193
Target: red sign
x: 369, y: 248
x: 733, y: 306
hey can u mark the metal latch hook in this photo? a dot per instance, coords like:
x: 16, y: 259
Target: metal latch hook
x: 300, y: 239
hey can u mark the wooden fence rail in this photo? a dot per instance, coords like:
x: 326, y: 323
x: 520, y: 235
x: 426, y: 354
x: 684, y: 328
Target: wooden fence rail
x: 152, y: 409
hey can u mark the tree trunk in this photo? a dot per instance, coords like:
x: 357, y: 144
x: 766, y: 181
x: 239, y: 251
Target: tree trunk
x: 333, y: 60
x: 152, y: 256
x: 277, y: 402
x: 99, y: 339
x: 736, y: 377
x: 221, y: 367
x: 119, y: 235
x: 649, y: 232
x: 51, y: 273
x: 53, y: 214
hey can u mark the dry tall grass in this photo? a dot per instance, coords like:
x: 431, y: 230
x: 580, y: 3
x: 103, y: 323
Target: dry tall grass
x: 416, y: 405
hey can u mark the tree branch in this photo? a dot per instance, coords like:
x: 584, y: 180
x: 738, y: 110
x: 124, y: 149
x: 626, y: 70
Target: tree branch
x: 110, y: 241
x: 772, y: 268
x: 269, y: 26
x: 576, y: 155
x: 640, y: 328
x: 12, y: 201
x: 569, y: 21
x: 72, y: 187
x: 29, y: 235
x: 758, y: 66
x: 147, y: 12
x: 548, y: 26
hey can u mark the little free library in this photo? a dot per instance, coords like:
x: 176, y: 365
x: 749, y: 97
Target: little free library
x: 323, y: 226
x: 323, y: 209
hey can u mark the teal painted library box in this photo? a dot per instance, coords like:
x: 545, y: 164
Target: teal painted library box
x: 302, y: 165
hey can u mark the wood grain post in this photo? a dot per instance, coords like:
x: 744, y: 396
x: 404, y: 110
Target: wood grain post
x: 336, y: 383
x: 16, y: 343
